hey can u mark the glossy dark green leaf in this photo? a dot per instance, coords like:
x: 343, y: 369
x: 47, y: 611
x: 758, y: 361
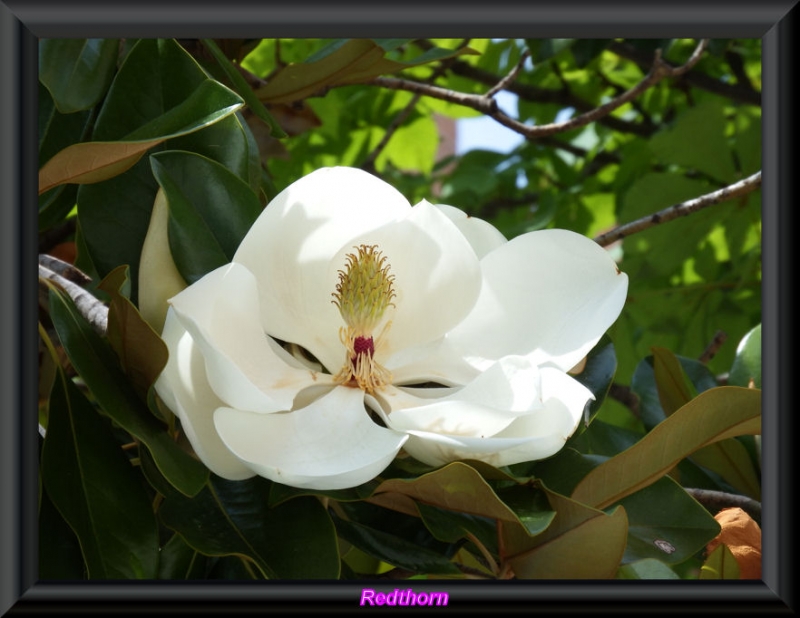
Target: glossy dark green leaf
x: 58, y: 130
x: 292, y: 540
x: 77, y: 72
x: 561, y: 472
x: 55, y: 205
x: 280, y: 493
x: 747, y: 364
x: 605, y: 439
x: 531, y: 506
x: 157, y: 85
x: 645, y: 387
x: 177, y: 560
x: 243, y: 89
x: 648, y: 568
x: 113, y: 216
x: 598, y: 374
x: 394, y: 550
x: 97, y: 365
x: 666, y: 524
x: 97, y: 491
x: 60, y: 554
x: 452, y: 526
x: 210, y: 211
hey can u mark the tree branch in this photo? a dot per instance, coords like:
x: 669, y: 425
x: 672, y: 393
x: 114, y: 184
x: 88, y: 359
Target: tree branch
x: 95, y: 312
x: 712, y: 348
x: 715, y: 501
x: 743, y: 187
x: 740, y: 92
x: 488, y: 106
x: 534, y: 94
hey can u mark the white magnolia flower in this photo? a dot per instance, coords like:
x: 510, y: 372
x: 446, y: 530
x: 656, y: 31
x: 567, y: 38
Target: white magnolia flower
x: 350, y: 325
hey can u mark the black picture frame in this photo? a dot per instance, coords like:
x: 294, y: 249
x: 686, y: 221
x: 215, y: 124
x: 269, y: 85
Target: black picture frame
x: 23, y: 22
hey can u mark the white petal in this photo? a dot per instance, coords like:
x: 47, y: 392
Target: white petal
x: 221, y: 312
x: 512, y: 384
x: 183, y: 386
x: 331, y: 444
x: 483, y: 236
x: 437, y: 276
x: 436, y: 361
x: 550, y: 294
x: 290, y: 247
x: 531, y: 436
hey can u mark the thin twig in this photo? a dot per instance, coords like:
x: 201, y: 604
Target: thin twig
x: 713, y: 347
x: 488, y: 106
x: 715, y: 501
x: 739, y: 92
x: 626, y: 396
x: 512, y: 75
x: 738, y: 189
x: 534, y: 94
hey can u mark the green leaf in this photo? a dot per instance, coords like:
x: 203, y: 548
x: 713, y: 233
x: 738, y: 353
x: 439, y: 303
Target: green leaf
x: 95, y: 161
x: 728, y: 458
x: 60, y: 554
x: 57, y: 130
x: 412, y: 147
x: 714, y: 415
x: 645, y: 386
x: 720, y: 564
x: 666, y: 524
x: 394, y: 549
x: 665, y: 247
x: 456, y: 486
x: 598, y: 374
x: 96, y: 490
x: 545, y: 49
x: 581, y: 543
x: 210, y: 211
x: 97, y: 365
x: 180, y: 561
x: 243, y: 89
x: 451, y: 526
x: 113, y: 217
x: 648, y: 568
x: 697, y: 140
x: 747, y: 364
x: 356, y: 60
x: 294, y: 540
x: 77, y: 72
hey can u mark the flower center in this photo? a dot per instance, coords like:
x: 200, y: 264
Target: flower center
x: 363, y: 294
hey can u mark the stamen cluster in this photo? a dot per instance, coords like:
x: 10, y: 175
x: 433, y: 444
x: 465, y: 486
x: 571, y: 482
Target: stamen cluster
x: 363, y: 294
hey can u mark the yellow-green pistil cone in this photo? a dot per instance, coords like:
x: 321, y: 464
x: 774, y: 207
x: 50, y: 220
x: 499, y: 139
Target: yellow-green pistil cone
x: 363, y: 295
